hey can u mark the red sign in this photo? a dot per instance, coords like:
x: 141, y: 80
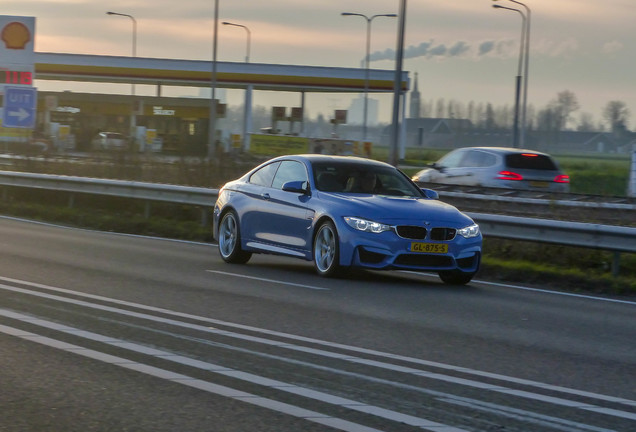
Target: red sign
x: 16, y: 77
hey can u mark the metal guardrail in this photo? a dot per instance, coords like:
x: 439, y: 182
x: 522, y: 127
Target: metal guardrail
x: 605, y: 237
x: 587, y: 235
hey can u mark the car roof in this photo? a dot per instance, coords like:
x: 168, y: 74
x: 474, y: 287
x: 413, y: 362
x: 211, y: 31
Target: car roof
x: 504, y: 150
x: 312, y: 158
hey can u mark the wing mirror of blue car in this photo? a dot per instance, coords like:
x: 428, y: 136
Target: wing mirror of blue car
x: 430, y: 194
x: 296, y: 187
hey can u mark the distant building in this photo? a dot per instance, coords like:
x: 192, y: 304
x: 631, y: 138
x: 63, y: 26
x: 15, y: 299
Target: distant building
x: 356, y: 111
x: 415, y: 104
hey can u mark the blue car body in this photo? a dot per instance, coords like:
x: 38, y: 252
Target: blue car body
x: 395, y: 226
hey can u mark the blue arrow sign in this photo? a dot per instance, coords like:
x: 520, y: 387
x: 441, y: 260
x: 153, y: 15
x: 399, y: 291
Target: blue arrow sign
x: 20, y: 104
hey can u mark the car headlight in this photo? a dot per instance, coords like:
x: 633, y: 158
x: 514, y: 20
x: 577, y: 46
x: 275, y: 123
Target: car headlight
x: 469, y: 231
x: 366, y: 225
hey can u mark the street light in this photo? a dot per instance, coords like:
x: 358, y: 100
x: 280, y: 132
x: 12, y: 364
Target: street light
x: 515, y: 134
x: 249, y: 38
x: 133, y: 114
x: 212, y: 122
x: 134, y: 36
x: 525, y: 74
x: 247, y: 115
x: 367, y: 59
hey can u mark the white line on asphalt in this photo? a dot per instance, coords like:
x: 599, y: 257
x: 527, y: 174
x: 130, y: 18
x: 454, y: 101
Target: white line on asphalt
x: 539, y: 290
x: 544, y: 291
x: 212, y: 244
x: 267, y: 280
x: 381, y: 354
x: 220, y: 370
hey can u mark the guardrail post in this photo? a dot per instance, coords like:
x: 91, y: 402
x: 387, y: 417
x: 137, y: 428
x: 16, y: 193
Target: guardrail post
x: 147, y: 210
x: 616, y: 264
x: 204, y: 216
x: 71, y: 200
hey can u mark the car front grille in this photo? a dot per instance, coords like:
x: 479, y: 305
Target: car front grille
x: 414, y: 232
x: 411, y: 232
x: 443, y: 234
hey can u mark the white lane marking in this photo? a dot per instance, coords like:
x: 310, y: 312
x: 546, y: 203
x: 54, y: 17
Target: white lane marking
x: 233, y: 373
x: 279, y: 282
x: 209, y: 387
x: 212, y: 244
x: 539, y: 290
x: 380, y: 354
x: 54, y: 225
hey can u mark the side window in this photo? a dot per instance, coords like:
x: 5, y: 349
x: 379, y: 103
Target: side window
x: 289, y: 171
x: 478, y: 158
x: 265, y: 175
x: 452, y: 160
x: 489, y: 160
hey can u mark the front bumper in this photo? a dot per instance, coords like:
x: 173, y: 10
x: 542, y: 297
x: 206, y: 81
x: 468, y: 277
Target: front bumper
x: 387, y: 251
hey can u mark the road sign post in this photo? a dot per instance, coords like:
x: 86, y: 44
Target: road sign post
x: 20, y: 104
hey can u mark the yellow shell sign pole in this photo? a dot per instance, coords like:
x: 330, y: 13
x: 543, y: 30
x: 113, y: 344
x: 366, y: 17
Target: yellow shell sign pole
x: 17, y: 58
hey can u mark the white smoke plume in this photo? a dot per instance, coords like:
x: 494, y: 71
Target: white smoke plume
x: 458, y: 49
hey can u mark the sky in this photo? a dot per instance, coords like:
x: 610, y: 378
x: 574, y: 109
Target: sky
x: 462, y: 50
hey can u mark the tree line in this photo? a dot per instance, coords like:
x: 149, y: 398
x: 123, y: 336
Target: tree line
x: 557, y: 115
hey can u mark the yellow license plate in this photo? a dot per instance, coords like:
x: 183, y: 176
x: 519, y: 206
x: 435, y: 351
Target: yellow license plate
x: 539, y: 184
x: 429, y: 247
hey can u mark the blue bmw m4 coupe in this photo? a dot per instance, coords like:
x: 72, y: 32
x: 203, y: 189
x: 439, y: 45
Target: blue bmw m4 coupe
x: 342, y: 212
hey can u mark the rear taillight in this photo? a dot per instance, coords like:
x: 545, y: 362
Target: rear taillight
x: 562, y: 178
x: 508, y: 175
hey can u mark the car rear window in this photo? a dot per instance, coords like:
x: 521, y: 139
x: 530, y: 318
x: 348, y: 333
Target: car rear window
x: 530, y: 161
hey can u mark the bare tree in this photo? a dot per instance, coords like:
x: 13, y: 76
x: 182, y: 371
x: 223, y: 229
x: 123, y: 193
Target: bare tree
x: 439, y: 111
x: 586, y: 123
x: 617, y: 115
x: 566, y: 103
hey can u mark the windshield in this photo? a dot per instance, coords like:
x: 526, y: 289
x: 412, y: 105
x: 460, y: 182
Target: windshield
x: 359, y: 178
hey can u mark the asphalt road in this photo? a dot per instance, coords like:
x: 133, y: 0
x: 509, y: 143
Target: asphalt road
x: 106, y: 332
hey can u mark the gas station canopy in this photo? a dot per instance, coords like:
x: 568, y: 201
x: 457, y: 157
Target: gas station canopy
x: 198, y: 73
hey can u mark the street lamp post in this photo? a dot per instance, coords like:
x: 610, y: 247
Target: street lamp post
x: 525, y: 74
x: 133, y: 114
x: 212, y: 122
x: 249, y: 38
x: 515, y: 134
x: 134, y: 36
x: 367, y: 60
x: 247, y: 115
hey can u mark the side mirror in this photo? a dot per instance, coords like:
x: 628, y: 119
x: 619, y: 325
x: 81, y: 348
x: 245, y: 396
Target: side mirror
x: 430, y: 194
x: 437, y: 167
x: 296, y: 187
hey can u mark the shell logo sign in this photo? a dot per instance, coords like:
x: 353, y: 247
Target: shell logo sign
x: 17, y: 39
x: 16, y: 35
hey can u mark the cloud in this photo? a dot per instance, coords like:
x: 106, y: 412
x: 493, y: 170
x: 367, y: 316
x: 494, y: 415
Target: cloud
x: 561, y: 49
x: 460, y: 49
x: 612, y: 47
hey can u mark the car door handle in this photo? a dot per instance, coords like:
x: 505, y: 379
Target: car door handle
x: 265, y: 196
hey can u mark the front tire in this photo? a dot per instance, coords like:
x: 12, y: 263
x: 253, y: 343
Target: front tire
x: 327, y: 251
x: 455, y: 277
x: 230, y: 240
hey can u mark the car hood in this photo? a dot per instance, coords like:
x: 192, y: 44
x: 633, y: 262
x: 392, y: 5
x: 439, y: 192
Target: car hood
x: 392, y: 209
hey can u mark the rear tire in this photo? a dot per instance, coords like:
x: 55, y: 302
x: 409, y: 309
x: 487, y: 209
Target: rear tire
x: 230, y: 240
x: 327, y: 251
x: 455, y: 277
